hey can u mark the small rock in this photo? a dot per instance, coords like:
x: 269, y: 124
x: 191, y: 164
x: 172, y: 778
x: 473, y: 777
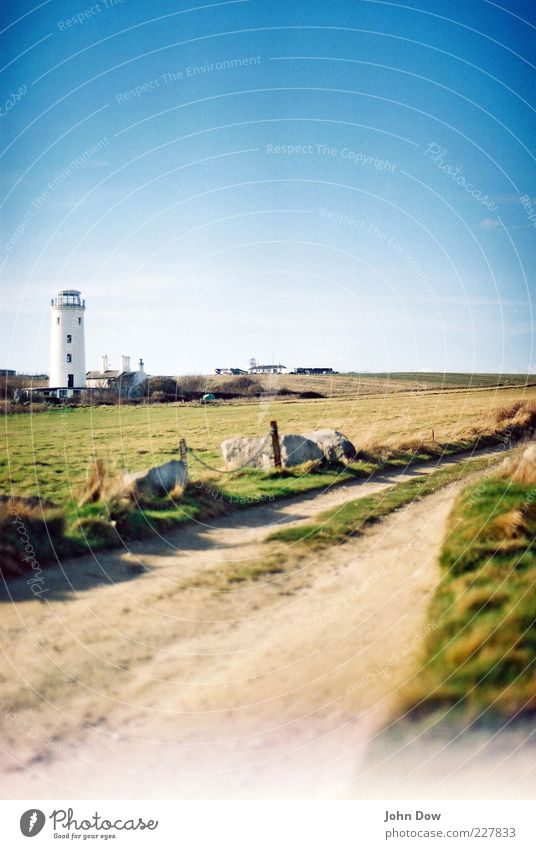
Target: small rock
x: 160, y: 480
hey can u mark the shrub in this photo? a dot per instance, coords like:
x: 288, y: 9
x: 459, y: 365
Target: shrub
x: 193, y: 384
x: 240, y: 385
x: 26, y: 530
x: 160, y: 386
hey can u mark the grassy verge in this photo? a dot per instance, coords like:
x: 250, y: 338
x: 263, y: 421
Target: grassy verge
x: 250, y: 486
x: 481, y: 657
x: 34, y: 535
x: 334, y: 526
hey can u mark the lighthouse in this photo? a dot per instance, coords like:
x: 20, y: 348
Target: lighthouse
x: 67, y: 344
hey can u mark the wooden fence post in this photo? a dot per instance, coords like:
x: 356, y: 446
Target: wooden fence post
x: 275, y: 444
x: 183, y: 451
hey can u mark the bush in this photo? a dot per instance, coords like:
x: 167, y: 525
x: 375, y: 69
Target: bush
x: 241, y: 385
x: 193, y: 385
x: 26, y: 529
x: 160, y: 387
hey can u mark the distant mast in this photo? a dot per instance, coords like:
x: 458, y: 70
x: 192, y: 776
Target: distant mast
x: 67, y: 342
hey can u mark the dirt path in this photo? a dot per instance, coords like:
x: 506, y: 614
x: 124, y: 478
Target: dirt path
x: 125, y: 684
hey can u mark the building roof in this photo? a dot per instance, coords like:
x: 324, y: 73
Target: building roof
x: 102, y: 375
x: 111, y: 374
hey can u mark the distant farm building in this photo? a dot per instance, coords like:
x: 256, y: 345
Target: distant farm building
x: 128, y: 383
x: 267, y: 369
x: 230, y: 371
x: 313, y: 370
x: 7, y: 372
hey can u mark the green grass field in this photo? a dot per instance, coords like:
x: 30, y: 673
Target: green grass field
x: 50, y: 453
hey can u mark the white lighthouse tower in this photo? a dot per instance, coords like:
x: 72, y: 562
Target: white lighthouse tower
x: 67, y: 344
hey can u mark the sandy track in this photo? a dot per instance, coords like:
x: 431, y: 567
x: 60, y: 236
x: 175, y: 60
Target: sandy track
x: 126, y: 685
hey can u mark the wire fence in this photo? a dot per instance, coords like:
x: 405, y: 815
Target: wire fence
x: 275, y: 452
x: 186, y: 452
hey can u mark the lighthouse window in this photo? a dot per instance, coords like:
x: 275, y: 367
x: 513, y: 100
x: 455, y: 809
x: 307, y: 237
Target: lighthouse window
x: 69, y: 338
x: 69, y: 358
x: 79, y: 321
x: 58, y: 320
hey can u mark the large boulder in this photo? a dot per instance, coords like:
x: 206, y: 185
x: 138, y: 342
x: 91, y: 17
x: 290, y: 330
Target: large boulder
x: 256, y: 452
x: 297, y: 449
x: 335, y: 446
x: 160, y: 480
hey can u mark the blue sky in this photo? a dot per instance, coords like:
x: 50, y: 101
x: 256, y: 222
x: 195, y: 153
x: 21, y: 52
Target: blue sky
x: 347, y: 184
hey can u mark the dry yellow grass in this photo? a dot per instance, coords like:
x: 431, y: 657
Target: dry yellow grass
x: 522, y: 466
x: 50, y: 453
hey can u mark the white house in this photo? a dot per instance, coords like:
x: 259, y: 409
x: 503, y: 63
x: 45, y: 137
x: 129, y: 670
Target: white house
x: 267, y: 369
x: 129, y: 383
